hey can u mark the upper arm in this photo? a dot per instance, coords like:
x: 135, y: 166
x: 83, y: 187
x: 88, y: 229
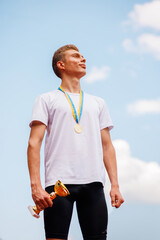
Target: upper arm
x: 105, y: 137
x: 37, y: 133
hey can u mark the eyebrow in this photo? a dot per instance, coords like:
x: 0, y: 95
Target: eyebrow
x: 77, y: 54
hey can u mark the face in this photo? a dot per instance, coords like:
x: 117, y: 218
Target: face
x: 74, y: 64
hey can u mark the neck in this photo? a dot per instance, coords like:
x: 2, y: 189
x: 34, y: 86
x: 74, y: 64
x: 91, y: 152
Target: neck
x: 71, y: 85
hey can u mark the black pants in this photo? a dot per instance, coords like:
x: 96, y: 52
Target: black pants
x: 91, y: 209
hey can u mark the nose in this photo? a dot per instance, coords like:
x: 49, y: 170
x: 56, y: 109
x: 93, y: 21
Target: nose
x: 83, y: 59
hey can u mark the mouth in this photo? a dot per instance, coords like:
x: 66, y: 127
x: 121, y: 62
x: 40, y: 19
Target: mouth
x: 83, y: 66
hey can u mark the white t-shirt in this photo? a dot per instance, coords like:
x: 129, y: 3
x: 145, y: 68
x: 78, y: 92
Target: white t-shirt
x: 73, y: 158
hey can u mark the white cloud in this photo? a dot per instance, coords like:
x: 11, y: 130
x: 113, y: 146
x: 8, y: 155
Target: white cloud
x: 144, y: 107
x: 150, y: 43
x: 139, y: 180
x: 146, y: 15
x: 97, y: 74
x: 145, y: 43
x: 129, y: 45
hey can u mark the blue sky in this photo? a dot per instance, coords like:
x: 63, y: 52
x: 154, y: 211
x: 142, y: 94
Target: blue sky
x: 120, y: 41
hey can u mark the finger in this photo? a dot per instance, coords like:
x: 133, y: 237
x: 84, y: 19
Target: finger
x: 46, y: 202
x: 49, y: 201
x: 39, y: 207
x: 119, y: 202
x: 113, y: 202
x: 41, y: 204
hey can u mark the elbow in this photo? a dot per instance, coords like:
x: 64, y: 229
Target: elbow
x: 109, y: 149
x: 33, y: 143
x: 112, y: 149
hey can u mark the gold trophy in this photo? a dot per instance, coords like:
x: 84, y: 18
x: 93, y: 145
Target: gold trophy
x: 59, y: 189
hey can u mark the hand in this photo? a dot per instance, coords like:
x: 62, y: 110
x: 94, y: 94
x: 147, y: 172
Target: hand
x: 116, y: 197
x: 41, y: 198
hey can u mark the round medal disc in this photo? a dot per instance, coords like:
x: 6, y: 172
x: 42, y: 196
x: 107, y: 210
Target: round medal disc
x: 78, y: 128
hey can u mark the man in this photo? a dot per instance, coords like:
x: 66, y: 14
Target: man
x: 78, y: 148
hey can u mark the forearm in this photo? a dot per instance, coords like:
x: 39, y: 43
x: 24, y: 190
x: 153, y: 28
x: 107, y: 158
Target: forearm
x: 39, y: 195
x: 109, y: 157
x: 33, y: 155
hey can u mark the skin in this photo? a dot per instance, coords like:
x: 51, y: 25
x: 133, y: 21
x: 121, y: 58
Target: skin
x: 109, y: 158
x: 72, y: 70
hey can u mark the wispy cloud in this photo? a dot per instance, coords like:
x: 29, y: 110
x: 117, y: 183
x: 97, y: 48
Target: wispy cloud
x: 145, y: 15
x: 129, y: 46
x: 139, y: 180
x: 145, y: 43
x: 144, y: 107
x: 97, y: 74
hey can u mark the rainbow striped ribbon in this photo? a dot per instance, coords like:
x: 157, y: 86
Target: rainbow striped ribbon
x: 74, y: 113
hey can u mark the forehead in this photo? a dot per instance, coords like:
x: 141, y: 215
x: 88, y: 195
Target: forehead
x: 71, y: 52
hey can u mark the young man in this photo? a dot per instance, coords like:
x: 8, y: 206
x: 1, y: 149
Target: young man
x: 78, y: 149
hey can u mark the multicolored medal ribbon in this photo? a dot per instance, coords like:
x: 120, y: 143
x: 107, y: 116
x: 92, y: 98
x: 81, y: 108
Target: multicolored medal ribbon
x: 77, y: 127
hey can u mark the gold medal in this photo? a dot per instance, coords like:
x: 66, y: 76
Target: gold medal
x: 77, y: 117
x: 78, y: 128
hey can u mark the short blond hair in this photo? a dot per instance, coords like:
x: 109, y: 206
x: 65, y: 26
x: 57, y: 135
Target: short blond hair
x: 60, y: 56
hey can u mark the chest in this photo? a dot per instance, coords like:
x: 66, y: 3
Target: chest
x: 62, y: 109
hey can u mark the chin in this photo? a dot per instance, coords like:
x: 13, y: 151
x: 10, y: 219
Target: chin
x: 83, y: 74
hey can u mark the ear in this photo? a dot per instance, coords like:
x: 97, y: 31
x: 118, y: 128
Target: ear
x: 60, y: 65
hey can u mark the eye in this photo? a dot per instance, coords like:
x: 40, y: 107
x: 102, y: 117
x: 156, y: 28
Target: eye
x: 76, y: 55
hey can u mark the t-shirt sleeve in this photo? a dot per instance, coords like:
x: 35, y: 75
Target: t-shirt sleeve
x: 39, y: 111
x: 104, y: 117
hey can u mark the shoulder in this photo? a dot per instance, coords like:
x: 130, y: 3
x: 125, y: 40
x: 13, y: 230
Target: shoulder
x: 47, y: 97
x: 49, y: 94
x: 100, y: 101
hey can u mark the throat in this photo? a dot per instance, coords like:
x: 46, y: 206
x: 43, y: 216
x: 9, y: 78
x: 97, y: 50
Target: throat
x: 72, y: 87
